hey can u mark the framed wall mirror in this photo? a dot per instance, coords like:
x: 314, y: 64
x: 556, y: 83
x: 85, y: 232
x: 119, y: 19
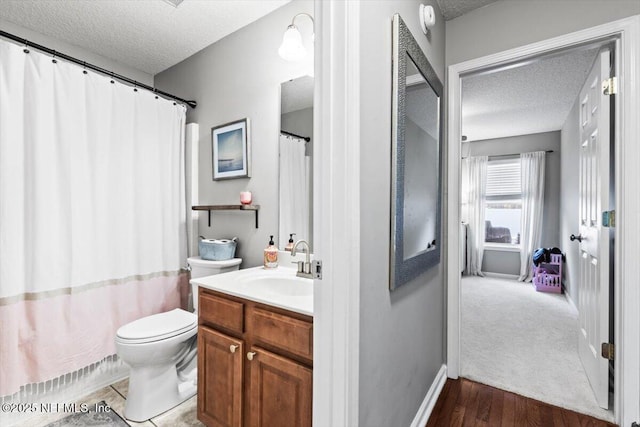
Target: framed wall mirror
x: 416, y: 175
x: 296, y: 160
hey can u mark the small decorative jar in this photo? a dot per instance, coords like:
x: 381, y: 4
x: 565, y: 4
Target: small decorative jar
x: 245, y: 197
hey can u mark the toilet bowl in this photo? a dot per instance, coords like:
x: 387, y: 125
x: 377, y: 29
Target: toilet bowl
x: 152, y: 346
x: 161, y: 352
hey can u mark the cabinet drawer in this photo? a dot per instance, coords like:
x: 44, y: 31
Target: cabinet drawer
x: 221, y: 312
x: 287, y: 333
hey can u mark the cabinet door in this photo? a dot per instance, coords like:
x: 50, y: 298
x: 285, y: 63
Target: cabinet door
x: 219, y: 379
x: 279, y: 391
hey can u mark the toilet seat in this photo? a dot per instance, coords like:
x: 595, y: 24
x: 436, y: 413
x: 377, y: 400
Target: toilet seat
x: 157, y: 327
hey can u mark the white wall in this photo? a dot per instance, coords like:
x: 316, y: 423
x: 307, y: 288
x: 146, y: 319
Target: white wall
x: 77, y: 52
x: 506, y: 24
x: 236, y: 77
x: 569, y: 203
x: 402, y: 332
x: 497, y: 261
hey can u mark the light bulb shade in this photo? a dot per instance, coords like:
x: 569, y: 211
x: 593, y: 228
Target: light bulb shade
x: 292, y: 48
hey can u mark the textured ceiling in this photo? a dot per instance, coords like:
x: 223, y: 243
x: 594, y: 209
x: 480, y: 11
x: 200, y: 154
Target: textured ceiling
x: 531, y: 98
x: 453, y: 8
x: 150, y: 35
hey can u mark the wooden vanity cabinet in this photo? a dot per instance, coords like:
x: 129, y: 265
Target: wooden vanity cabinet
x: 279, y: 391
x: 220, y: 378
x: 255, y: 363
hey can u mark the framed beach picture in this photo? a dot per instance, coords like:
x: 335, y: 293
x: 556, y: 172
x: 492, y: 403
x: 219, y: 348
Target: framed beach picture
x: 231, y: 150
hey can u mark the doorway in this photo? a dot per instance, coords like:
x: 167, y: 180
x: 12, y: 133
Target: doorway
x: 519, y: 332
x: 624, y: 127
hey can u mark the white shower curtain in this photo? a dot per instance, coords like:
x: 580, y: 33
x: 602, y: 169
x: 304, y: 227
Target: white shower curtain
x: 92, y: 214
x: 294, y: 190
x: 477, y: 167
x: 532, y: 178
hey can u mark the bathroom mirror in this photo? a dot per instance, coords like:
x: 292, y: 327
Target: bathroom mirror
x: 296, y: 161
x: 416, y: 174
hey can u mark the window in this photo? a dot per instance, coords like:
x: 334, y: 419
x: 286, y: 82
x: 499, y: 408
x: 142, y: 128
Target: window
x: 503, y: 202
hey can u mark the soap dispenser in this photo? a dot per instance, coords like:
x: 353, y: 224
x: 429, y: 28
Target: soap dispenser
x: 289, y: 246
x: 271, y: 255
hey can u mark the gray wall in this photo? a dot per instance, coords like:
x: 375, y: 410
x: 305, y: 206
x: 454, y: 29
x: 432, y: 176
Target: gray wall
x: 78, y: 52
x: 421, y: 179
x: 236, y: 77
x: 299, y: 122
x: 402, y: 332
x: 506, y: 24
x: 501, y: 262
x: 569, y: 203
x: 497, y: 261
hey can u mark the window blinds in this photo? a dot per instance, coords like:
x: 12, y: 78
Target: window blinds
x: 503, y: 177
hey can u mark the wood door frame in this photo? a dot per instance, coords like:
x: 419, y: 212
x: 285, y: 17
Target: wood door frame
x: 627, y: 175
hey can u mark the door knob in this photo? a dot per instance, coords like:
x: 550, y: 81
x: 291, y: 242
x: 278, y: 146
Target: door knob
x: 574, y: 237
x: 233, y: 348
x: 251, y: 355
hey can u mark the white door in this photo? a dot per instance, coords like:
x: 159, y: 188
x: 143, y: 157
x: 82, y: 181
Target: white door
x: 593, y: 301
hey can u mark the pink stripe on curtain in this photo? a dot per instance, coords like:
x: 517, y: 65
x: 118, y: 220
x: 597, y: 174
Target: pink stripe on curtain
x: 44, y: 339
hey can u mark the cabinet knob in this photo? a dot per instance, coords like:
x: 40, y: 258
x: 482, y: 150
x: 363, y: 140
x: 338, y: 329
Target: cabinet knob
x: 251, y: 355
x: 233, y: 348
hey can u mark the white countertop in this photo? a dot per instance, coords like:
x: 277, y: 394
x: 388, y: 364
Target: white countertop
x: 247, y: 284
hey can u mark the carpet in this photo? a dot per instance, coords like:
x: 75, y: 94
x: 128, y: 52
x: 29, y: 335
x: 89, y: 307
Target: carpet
x: 98, y: 415
x: 524, y: 341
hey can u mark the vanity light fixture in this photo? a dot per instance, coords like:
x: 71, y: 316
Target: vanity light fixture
x: 292, y: 48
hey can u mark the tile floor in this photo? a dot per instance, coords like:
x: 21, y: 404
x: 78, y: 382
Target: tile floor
x: 115, y: 395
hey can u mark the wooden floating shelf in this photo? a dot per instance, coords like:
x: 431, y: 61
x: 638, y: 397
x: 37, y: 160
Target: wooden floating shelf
x: 210, y: 208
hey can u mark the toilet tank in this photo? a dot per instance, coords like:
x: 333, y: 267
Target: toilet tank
x: 202, y: 268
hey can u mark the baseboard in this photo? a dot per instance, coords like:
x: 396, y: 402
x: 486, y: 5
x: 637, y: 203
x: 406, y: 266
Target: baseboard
x: 572, y: 304
x: 424, y: 412
x: 501, y: 275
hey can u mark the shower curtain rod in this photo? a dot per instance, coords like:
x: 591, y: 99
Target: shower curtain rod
x: 306, y: 138
x: 111, y: 74
x: 511, y: 155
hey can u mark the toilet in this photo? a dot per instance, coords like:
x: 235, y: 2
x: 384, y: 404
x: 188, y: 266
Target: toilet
x: 161, y: 351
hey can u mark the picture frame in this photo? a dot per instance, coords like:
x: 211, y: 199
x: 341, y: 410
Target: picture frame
x: 231, y: 150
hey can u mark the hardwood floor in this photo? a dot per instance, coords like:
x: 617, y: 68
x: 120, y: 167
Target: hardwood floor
x: 468, y: 403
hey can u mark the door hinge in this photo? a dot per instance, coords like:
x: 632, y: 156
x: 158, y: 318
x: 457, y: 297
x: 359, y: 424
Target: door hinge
x: 609, y: 218
x: 316, y: 269
x: 608, y: 350
x: 610, y: 86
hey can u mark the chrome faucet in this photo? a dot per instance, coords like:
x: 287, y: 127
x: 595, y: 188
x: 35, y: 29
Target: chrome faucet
x: 304, y: 267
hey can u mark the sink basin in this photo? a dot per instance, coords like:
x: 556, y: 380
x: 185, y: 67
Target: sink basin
x: 284, y: 285
x: 279, y: 287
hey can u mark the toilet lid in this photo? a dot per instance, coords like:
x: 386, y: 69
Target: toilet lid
x: 158, y: 326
